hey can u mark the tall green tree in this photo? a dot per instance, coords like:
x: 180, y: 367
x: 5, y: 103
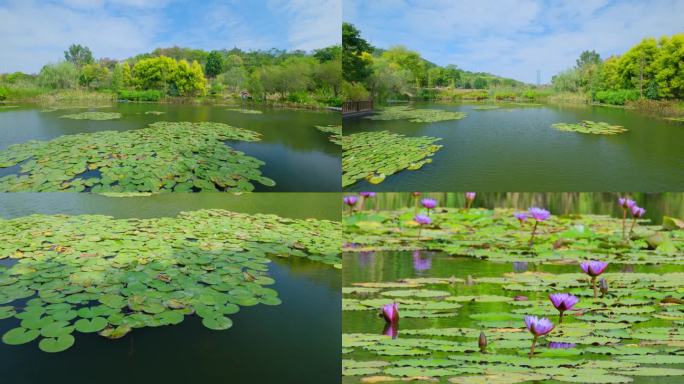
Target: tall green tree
x: 354, y: 66
x: 214, y: 65
x: 669, y: 67
x: 78, y: 55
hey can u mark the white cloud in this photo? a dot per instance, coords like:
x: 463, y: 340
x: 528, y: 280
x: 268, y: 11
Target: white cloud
x: 514, y: 37
x: 37, y: 33
x: 311, y: 23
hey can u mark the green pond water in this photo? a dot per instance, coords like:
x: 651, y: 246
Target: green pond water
x: 437, y: 290
x: 515, y: 148
x: 297, y: 156
x: 296, y: 341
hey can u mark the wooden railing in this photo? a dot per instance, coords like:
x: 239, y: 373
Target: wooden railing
x: 350, y: 107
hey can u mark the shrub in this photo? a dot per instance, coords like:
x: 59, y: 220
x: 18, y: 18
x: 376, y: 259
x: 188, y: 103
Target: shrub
x: 354, y: 91
x: 148, y: 95
x: 298, y: 97
x: 3, y: 93
x: 619, y: 97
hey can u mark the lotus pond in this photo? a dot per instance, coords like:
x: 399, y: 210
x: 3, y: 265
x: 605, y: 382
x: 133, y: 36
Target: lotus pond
x: 514, y: 146
x: 230, y: 280
x: 284, y: 148
x: 464, y: 283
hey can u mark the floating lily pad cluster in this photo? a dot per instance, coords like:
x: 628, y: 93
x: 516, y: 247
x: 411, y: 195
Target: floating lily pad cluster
x: 166, y: 156
x: 246, y: 111
x: 591, y: 127
x: 416, y: 115
x: 93, y: 273
x: 8, y: 107
x: 486, y: 107
x: 93, y: 116
x: 677, y: 119
x: 611, y: 340
x: 375, y: 155
x: 335, y: 132
x: 497, y: 235
x: 157, y: 113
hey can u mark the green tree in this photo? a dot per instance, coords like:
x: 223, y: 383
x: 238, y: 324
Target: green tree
x: 58, y: 76
x: 78, y: 55
x: 188, y: 79
x: 354, y: 67
x: 636, y: 65
x: 154, y: 73
x: 669, y: 67
x: 326, y: 54
x: 214, y: 64
x: 94, y: 75
x: 409, y: 60
x: 588, y: 58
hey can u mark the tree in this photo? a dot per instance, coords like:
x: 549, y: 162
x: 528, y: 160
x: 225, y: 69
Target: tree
x: 214, y: 64
x: 188, y: 79
x: 354, y: 66
x: 78, y: 55
x: 58, y: 76
x: 154, y: 73
x: 235, y: 78
x: 331, y: 53
x: 329, y: 75
x: 409, y: 60
x: 668, y: 67
x: 636, y: 65
x: 94, y: 75
x: 567, y: 81
x: 588, y: 58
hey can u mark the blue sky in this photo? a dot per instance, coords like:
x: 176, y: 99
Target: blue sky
x: 513, y: 38
x: 33, y: 33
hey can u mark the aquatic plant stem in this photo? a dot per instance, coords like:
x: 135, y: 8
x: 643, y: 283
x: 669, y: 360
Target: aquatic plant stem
x: 362, y: 203
x: 560, y: 317
x: 420, y: 227
x: 534, y: 343
x: 534, y: 230
x: 593, y: 284
x: 624, y: 220
x: 631, y: 229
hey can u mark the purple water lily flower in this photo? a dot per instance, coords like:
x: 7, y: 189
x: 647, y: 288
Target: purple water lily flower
x: 563, y: 302
x: 469, y: 198
x: 638, y: 211
x: 557, y: 345
x: 626, y: 204
x: 539, y: 215
x: 537, y: 327
x: 428, y: 204
x: 521, y: 216
x: 390, y: 312
x: 421, y: 220
x: 351, y: 202
x: 520, y: 266
x: 367, y: 194
x: 594, y: 268
x: 421, y: 263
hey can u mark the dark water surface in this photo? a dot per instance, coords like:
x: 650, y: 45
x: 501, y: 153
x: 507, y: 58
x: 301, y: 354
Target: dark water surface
x: 516, y: 149
x: 297, y: 156
x: 295, y: 342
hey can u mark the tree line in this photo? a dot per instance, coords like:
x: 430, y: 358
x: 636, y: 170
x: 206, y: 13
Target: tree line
x: 398, y: 72
x: 274, y: 74
x: 652, y: 69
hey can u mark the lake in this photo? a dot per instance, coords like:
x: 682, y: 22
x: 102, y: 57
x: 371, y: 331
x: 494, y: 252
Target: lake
x: 437, y: 290
x: 514, y: 148
x: 296, y: 341
x: 298, y: 157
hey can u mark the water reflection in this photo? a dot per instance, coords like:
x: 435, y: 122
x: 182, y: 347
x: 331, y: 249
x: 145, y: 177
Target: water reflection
x: 519, y: 266
x: 422, y: 262
x: 391, y: 330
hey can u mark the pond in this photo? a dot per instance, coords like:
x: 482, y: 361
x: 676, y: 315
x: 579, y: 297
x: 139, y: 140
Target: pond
x: 295, y: 341
x: 472, y: 271
x: 297, y: 156
x: 515, y: 148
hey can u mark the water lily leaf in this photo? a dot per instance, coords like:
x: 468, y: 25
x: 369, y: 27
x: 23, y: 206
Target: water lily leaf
x: 17, y: 336
x: 92, y: 325
x: 217, y: 323
x: 56, y: 344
